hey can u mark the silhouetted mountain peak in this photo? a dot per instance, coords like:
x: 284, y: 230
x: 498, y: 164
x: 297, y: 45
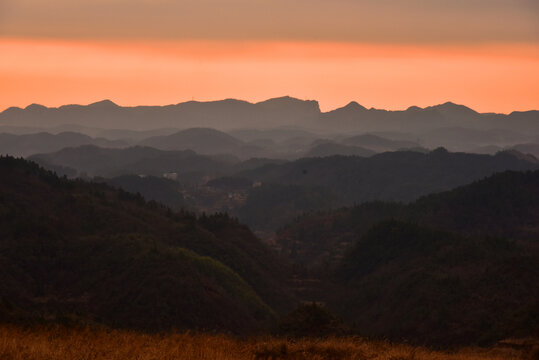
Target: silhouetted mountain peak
x: 450, y: 108
x: 281, y: 100
x: 439, y: 151
x: 104, y: 104
x: 11, y: 110
x: 276, y: 112
x: 350, y: 110
x: 229, y: 101
x: 35, y: 107
x: 285, y: 101
x: 353, y: 105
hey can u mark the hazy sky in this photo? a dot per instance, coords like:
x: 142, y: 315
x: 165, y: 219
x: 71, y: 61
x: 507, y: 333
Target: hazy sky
x: 392, y: 54
x: 410, y: 21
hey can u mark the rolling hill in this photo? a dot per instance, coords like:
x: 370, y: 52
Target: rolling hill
x: 502, y: 205
x: 204, y: 141
x: 96, y: 161
x: 29, y: 144
x: 453, y: 268
x: 377, y: 143
x: 398, y: 176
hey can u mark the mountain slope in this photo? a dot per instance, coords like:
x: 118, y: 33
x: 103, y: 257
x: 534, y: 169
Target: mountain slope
x: 203, y: 141
x: 404, y: 281
x: 86, y: 251
x: 399, y: 176
x: 454, y: 268
x: 95, y: 161
x: 161, y: 190
x: 504, y: 205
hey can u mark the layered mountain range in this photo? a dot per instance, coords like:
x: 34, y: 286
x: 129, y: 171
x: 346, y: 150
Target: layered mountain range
x: 284, y: 111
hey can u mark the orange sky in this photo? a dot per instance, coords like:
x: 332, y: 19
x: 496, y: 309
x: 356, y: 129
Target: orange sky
x: 488, y: 77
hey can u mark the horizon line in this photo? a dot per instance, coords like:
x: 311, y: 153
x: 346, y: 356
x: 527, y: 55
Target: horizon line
x: 258, y: 102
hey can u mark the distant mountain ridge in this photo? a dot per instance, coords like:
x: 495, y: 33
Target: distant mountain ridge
x: 43, y: 142
x: 397, y: 176
x: 203, y: 141
x: 284, y: 111
x: 229, y: 113
x: 95, y: 161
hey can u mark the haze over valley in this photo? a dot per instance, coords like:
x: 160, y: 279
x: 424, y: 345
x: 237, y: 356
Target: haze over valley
x: 328, y: 195
x: 306, y: 180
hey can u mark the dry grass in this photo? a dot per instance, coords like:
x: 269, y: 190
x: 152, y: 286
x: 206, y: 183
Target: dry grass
x: 85, y: 344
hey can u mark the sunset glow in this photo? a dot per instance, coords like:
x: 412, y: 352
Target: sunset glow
x: 488, y: 78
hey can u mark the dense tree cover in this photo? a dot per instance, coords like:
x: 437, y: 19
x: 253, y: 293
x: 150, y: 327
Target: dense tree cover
x: 271, y: 206
x: 404, y: 281
x: 348, y: 180
x: 87, y: 251
x: 95, y: 161
x: 164, y: 191
x: 230, y: 183
x: 458, y: 267
x: 340, y: 180
x: 399, y: 176
x: 505, y: 204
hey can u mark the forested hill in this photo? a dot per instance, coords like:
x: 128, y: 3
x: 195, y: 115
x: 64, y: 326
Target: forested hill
x: 405, y: 281
x: 314, y: 184
x: 505, y: 204
x: 88, y: 252
x: 454, y: 268
x: 398, y: 176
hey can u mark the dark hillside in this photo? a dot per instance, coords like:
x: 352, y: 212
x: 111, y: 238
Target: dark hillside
x: 403, y: 281
x: 87, y: 251
x: 397, y: 176
x: 161, y: 190
x: 348, y: 180
x: 505, y: 204
x: 96, y: 161
x: 42, y: 142
x: 454, y: 268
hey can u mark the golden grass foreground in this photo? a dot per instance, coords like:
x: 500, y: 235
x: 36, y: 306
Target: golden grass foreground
x: 59, y: 343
